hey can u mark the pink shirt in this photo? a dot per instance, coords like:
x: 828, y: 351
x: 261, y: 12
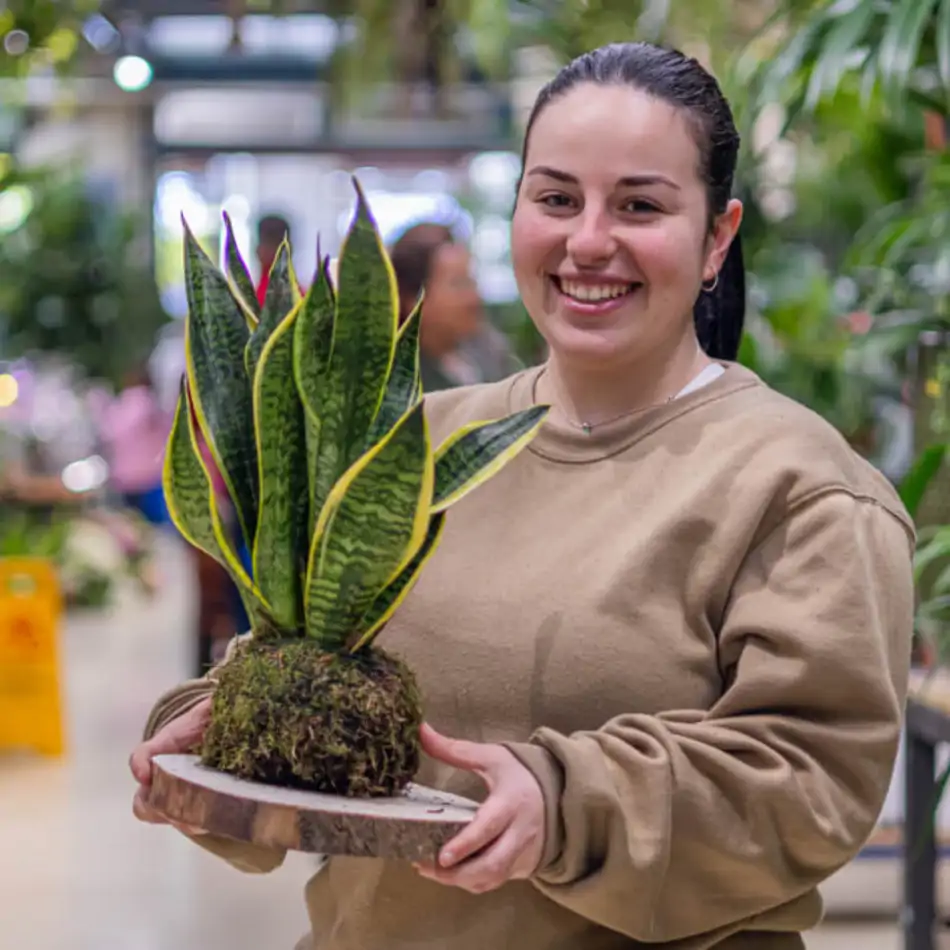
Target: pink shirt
x: 134, y: 431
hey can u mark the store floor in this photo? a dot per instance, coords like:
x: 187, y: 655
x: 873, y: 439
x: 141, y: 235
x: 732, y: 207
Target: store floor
x: 77, y: 872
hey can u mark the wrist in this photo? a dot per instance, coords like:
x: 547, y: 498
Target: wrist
x: 549, y: 775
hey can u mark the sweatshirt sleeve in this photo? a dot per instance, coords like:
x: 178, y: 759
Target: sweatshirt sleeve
x: 664, y: 826
x: 250, y: 858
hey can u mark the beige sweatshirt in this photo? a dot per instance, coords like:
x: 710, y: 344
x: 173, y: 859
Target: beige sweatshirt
x: 694, y: 627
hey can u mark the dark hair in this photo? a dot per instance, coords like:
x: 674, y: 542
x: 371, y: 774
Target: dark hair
x: 681, y: 81
x: 272, y: 229
x: 412, y: 256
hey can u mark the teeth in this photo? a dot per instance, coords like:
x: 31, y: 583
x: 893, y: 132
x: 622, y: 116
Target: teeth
x: 594, y: 292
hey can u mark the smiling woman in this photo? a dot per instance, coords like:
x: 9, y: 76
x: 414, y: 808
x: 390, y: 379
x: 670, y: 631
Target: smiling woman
x: 668, y: 645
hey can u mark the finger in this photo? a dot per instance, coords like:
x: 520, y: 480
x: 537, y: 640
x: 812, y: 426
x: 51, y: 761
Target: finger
x: 472, y: 756
x: 487, y: 872
x: 491, y: 821
x: 190, y: 830
x: 140, y: 762
x: 144, y: 812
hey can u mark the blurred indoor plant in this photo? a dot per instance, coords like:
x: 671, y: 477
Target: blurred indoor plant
x: 72, y: 280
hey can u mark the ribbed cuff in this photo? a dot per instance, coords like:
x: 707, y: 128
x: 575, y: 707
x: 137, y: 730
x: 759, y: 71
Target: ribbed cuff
x: 176, y: 703
x: 550, y: 777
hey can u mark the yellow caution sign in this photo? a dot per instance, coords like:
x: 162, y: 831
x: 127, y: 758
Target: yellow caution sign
x: 30, y: 694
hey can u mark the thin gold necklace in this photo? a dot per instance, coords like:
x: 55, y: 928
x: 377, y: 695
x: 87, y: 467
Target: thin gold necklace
x: 588, y: 427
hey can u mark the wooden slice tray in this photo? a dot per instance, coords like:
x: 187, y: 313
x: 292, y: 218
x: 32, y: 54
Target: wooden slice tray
x: 411, y: 827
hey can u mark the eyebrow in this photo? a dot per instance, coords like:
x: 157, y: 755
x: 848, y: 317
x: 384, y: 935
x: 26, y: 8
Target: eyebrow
x: 629, y: 181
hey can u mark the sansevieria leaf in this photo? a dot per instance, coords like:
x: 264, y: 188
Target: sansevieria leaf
x: 477, y: 451
x: 386, y: 602
x: 216, y: 335
x: 364, y: 341
x: 313, y: 338
x: 404, y: 386
x: 240, y: 279
x: 373, y: 524
x: 281, y: 544
x: 190, y: 496
x: 281, y: 297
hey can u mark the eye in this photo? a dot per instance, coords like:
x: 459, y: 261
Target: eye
x: 555, y: 200
x: 640, y: 206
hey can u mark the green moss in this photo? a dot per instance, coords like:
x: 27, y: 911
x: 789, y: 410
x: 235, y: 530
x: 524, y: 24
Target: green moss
x: 290, y: 714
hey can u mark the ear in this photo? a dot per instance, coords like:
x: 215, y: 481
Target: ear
x: 724, y: 230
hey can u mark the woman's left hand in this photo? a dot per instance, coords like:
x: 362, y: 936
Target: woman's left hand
x: 505, y: 840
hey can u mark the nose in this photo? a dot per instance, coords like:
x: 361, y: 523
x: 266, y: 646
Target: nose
x: 591, y: 241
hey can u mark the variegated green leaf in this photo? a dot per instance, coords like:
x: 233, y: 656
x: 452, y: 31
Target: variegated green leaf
x: 240, y: 279
x: 281, y: 297
x: 373, y: 524
x: 404, y: 386
x: 476, y: 452
x: 364, y: 340
x: 281, y: 544
x: 386, y: 602
x: 313, y: 337
x: 216, y: 335
x: 192, y: 505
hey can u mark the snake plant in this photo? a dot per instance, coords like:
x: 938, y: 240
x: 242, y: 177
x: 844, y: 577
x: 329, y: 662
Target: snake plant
x: 311, y: 407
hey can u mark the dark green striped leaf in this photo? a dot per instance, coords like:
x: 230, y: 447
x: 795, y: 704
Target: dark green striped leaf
x: 190, y: 495
x: 313, y: 338
x: 404, y: 386
x: 372, y: 526
x: 216, y: 335
x: 281, y: 297
x: 364, y: 340
x: 237, y: 272
x: 281, y: 544
x: 476, y: 452
x: 386, y: 602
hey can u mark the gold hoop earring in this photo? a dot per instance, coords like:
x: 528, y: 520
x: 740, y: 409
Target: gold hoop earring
x: 713, y: 285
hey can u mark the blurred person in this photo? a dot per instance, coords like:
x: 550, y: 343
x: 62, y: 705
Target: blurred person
x: 272, y: 229
x: 133, y: 429
x: 458, y: 345
x: 667, y: 648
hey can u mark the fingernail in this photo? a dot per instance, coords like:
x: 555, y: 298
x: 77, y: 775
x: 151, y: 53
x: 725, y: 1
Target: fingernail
x: 447, y: 859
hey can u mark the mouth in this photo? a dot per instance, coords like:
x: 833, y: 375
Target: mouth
x: 593, y: 296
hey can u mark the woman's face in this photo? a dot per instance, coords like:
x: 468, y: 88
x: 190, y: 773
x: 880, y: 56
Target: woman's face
x: 610, y: 237
x: 453, y: 308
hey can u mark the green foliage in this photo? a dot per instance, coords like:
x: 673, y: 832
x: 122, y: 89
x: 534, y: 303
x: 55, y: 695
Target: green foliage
x: 314, y: 416
x: 900, y: 48
x: 915, y: 483
x: 49, y: 31
x: 72, y: 281
x: 800, y: 340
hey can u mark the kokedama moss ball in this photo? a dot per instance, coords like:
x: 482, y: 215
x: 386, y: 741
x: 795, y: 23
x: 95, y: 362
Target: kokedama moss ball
x: 290, y: 714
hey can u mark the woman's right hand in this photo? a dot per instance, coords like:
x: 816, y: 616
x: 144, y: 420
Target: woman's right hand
x: 182, y: 735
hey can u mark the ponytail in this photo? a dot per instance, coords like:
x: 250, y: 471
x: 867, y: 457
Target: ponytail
x: 719, y: 314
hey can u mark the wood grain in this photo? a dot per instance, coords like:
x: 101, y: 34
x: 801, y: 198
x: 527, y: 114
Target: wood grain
x: 411, y: 827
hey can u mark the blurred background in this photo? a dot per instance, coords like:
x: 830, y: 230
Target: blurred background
x: 120, y: 120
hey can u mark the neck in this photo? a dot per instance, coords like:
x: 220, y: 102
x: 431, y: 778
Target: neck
x: 592, y: 394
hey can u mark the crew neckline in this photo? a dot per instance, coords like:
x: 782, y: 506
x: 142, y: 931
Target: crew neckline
x: 561, y: 442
